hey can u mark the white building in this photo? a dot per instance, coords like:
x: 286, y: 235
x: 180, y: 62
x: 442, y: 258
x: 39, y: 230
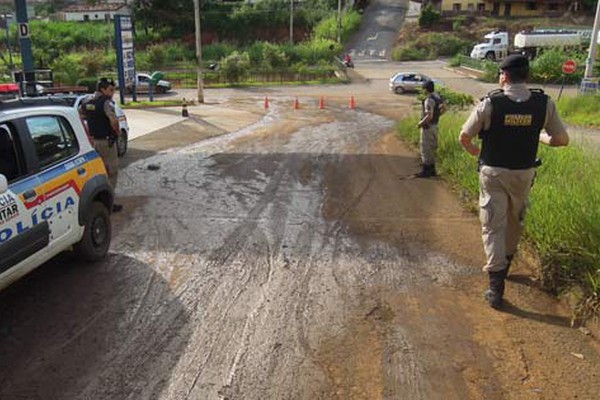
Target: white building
x: 98, y: 12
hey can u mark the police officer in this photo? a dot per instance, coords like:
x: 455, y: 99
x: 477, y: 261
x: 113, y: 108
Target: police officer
x: 509, y: 122
x: 99, y: 113
x: 432, y: 107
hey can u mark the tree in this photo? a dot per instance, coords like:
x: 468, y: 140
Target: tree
x: 176, y: 15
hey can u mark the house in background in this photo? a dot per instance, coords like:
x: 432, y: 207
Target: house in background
x: 504, y: 8
x: 98, y: 12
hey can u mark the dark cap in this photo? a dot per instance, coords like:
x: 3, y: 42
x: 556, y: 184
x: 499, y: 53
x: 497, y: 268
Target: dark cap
x: 429, y: 86
x: 514, y: 61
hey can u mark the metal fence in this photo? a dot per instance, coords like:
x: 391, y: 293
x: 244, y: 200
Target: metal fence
x: 188, y: 78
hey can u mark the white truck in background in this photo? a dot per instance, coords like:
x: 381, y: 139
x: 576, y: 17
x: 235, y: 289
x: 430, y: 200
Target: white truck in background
x: 497, y: 45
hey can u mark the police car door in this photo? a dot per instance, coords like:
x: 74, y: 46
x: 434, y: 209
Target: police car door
x: 22, y: 235
x: 56, y: 150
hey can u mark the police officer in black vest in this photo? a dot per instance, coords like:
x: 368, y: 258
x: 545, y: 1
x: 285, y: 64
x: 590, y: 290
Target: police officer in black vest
x: 509, y: 122
x: 432, y: 107
x: 98, y: 111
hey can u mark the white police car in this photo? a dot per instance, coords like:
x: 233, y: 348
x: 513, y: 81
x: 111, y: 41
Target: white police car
x: 54, y: 191
x: 122, y: 140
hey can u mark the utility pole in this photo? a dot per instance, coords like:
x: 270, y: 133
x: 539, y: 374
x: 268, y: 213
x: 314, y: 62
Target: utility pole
x: 291, y: 21
x: 339, y: 22
x: 586, y: 84
x: 199, y: 51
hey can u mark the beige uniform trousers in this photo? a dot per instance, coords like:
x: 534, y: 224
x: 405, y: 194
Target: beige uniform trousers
x: 429, y: 144
x: 111, y: 159
x: 503, y: 200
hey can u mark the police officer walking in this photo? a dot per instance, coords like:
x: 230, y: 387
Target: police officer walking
x: 432, y: 107
x: 509, y: 122
x: 98, y: 110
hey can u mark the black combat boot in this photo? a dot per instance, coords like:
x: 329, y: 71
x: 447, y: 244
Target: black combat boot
x: 496, y: 290
x: 428, y: 171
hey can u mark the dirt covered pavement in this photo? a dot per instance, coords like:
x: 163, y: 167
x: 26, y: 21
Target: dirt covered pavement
x: 287, y: 260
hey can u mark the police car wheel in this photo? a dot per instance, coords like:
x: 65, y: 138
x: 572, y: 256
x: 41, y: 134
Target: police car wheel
x: 97, y: 234
x: 122, y: 143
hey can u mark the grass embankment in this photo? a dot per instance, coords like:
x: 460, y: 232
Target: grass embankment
x: 581, y: 110
x: 563, y: 223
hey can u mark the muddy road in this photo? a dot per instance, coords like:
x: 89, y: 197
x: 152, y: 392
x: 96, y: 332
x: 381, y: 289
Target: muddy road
x: 287, y: 260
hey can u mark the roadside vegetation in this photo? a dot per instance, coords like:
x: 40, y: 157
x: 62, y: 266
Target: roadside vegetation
x: 563, y: 223
x: 242, y: 41
x: 434, y: 36
x: 580, y: 110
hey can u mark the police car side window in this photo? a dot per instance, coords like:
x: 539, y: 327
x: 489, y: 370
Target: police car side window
x: 9, y: 155
x: 53, y: 138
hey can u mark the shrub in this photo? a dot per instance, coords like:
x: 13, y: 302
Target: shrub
x: 273, y: 57
x: 157, y: 56
x: 547, y: 67
x: 92, y: 63
x: 67, y: 69
x: 328, y: 27
x: 430, y: 46
x: 428, y: 17
x: 410, y: 53
x: 452, y: 98
x: 235, y: 66
x: 90, y: 83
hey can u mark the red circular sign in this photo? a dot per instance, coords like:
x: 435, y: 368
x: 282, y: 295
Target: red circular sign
x: 569, y: 67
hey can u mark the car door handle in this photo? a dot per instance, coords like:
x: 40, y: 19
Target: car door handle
x: 30, y: 194
x: 81, y: 171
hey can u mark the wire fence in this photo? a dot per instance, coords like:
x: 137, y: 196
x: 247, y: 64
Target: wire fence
x: 188, y: 77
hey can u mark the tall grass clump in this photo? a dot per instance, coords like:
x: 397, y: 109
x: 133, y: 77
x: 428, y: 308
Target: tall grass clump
x: 563, y: 222
x: 328, y: 27
x: 580, y: 110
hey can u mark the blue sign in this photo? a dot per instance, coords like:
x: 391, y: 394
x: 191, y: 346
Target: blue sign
x: 125, y: 54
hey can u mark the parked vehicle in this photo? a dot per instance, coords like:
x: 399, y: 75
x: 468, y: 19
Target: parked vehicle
x: 143, y: 83
x: 497, y: 45
x: 122, y: 141
x: 54, y: 190
x: 410, y: 82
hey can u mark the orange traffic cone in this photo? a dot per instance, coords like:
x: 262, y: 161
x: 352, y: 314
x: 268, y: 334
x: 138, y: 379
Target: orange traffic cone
x: 352, y: 103
x: 322, y: 103
x: 296, y: 104
x: 266, y: 102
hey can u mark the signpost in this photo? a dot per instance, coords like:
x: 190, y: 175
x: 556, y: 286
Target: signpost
x: 568, y: 68
x: 125, y: 55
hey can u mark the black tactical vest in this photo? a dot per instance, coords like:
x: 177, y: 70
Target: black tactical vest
x: 436, y: 108
x: 513, y: 138
x: 98, y: 122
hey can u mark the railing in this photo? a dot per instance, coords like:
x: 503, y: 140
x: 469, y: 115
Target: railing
x: 188, y: 78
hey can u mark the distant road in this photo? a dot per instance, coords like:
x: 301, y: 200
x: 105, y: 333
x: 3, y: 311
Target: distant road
x: 377, y: 35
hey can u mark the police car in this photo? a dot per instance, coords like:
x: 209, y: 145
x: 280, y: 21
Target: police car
x: 54, y: 191
x: 122, y: 140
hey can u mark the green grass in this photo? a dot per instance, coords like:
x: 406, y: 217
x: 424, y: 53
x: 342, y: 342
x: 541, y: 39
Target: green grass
x: 580, y: 110
x: 563, y: 223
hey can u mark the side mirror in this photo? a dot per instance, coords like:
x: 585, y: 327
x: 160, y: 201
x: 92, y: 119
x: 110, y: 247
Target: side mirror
x: 3, y: 184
